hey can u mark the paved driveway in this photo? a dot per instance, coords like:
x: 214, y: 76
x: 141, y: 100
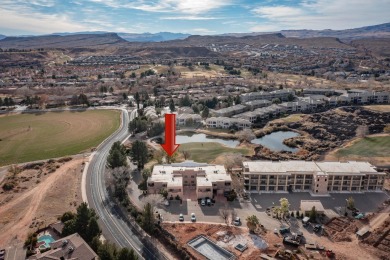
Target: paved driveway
x: 258, y: 203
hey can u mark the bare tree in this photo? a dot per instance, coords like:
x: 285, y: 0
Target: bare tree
x: 186, y: 154
x: 233, y: 214
x: 245, y: 135
x: 225, y: 214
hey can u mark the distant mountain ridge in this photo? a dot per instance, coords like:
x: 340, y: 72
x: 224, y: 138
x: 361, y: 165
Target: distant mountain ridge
x: 130, y: 37
x: 152, y: 37
x: 67, y: 41
x: 374, y: 31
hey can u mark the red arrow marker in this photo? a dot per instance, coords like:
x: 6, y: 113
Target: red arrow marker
x: 170, y: 145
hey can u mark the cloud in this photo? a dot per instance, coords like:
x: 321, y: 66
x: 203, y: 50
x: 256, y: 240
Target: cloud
x: 194, y: 7
x: 323, y: 14
x: 191, y: 18
x: 37, y: 22
x: 202, y: 31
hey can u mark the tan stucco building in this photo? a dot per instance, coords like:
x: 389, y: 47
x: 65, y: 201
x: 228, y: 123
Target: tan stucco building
x: 316, y: 177
x: 205, y: 179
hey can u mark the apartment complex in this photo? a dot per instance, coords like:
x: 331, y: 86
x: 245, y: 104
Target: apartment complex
x: 282, y: 94
x: 316, y: 177
x: 177, y: 178
x: 188, y: 119
x: 230, y: 111
x: 226, y: 122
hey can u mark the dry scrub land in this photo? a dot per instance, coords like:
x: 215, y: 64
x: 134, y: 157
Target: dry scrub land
x: 30, y: 137
x: 42, y: 192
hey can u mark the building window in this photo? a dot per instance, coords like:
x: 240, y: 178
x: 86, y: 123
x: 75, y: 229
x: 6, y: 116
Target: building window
x: 317, y: 185
x: 316, y: 191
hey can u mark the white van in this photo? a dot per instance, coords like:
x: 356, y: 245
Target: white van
x: 305, y: 221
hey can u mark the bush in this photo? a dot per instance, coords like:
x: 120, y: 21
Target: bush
x: 231, y: 196
x: 8, y: 186
x: 177, y: 197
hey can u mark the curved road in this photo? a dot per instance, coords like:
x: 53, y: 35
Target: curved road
x: 113, y: 227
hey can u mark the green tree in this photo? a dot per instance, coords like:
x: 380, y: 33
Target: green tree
x: 172, y: 106
x: 139, y: 153
x: 138, y: 125
x: 137, y: 99
x: 350, y: 203
x: 186, y: 101
x: 205, y: 112
x: 126, y: 254
x: 83, y: 99
x: 148, y: 220
x: 67, y: 216
x: 107, y: 251
x: 93, y: 229
x: 95, y: 244
x: 284, y: 206
x: 252, y: 222
x: 313, y: 214
x: 156, y: 129
x: 195, y: 108
x: 133, y: 75
x: 117, y: 156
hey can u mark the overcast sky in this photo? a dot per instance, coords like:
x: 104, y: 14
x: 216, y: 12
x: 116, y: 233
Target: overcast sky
x: 21, y: 17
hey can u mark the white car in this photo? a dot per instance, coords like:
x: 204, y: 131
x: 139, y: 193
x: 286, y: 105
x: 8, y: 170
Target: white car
x: 166, y: 202
x: 237, y: 221
x: 193, y: 218
x: 181, y: 217
x: 203, y: 202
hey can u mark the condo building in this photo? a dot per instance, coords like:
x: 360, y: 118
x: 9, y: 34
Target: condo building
x: 206, y: 180
x: 315, y: 177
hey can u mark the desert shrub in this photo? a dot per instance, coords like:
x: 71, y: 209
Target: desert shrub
x: 8, y: 186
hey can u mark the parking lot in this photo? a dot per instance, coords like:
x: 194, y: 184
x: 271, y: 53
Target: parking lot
x: 257, y: 204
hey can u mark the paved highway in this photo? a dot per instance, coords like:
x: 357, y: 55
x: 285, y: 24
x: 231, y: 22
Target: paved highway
x: 113, y: 227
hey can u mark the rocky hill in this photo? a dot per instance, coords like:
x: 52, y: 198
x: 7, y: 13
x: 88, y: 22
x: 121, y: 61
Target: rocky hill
x: 68, y: 41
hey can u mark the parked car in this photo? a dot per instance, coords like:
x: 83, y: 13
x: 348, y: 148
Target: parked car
x: 208, y: 202
x: 237, y: 221
x: 181, y: 217
x: 193, y: 218
x: 290, y: 241
x: 284, y: 230
x: 166, y: 202
x: 203, y: 202
x: 317, y: 228
x: 2, y: 254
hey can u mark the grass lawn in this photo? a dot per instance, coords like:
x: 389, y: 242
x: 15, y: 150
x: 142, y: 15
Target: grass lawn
x: 380, y: 108
x: 290, y: 119
x: 209, y: 151
x: 368, y: 147
x: 30, y: 137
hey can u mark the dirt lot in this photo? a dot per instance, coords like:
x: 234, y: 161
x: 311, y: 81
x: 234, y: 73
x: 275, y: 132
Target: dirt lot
x: 41, y: 194
x: 226, y: 237
x: 351, y: 249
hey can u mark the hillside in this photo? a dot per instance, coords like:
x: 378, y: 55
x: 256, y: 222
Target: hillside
x: 68, y: 41
x: 374, y: 31
x: 377, y: 47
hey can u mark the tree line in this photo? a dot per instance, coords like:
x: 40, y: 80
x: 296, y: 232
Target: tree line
x: 7, y: 102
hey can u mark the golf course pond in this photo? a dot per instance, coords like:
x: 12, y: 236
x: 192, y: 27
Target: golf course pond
x: 273, y: 141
